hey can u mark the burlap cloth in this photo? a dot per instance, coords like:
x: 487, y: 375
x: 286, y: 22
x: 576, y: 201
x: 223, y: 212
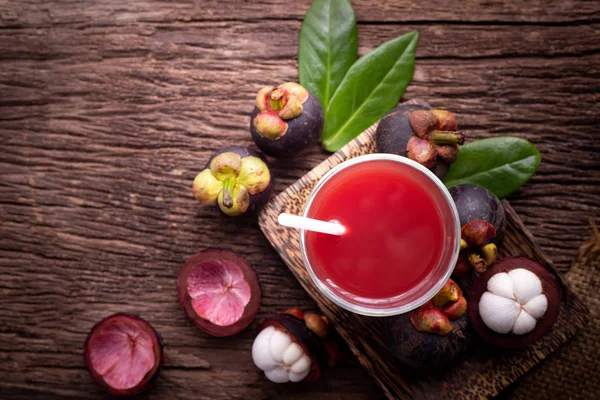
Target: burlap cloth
x: 573, y: 371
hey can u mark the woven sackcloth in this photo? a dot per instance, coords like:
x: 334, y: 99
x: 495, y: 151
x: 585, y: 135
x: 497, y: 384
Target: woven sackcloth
x: 573, y: 372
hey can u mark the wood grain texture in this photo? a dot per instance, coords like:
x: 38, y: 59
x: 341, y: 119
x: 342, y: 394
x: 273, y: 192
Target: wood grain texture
x: 108, y: 109
x: 485, y: 370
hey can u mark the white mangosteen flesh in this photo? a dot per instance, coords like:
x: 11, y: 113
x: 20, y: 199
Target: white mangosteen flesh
x: 537, y: 306
x: 526, y: 284
x: 501, y: 284
x: 279, y: 357
x: 513, y: 302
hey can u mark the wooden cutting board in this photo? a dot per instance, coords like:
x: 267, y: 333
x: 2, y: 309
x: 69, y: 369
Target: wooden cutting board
x: 484, y: 371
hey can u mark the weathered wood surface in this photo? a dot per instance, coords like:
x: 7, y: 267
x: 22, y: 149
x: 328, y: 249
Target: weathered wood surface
x: 109, y: 108
x: 484, y: 370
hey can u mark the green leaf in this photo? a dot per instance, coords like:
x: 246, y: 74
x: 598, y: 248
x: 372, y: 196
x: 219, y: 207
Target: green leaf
x: 370, y: 89
x: 327, y: 48
x: 501, y: 164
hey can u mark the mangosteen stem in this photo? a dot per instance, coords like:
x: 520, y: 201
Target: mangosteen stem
x: 276, y: 100
x: 477, y: 262
x: 446, y: 137
x: 227, y: 198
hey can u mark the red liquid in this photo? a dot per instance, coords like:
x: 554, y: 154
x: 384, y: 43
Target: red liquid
x: 394, y: 230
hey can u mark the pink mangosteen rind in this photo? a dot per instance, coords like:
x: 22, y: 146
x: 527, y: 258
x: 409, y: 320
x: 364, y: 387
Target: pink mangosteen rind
x: 157, y: 347
x: 185, y: 299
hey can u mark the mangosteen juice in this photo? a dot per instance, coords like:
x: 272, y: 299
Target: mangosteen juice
x: 400, y: 234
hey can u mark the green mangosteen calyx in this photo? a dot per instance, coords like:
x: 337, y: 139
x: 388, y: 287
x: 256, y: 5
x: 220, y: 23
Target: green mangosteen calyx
x: 447, y: 305
x: 230, y: 180
x: 277, y: 105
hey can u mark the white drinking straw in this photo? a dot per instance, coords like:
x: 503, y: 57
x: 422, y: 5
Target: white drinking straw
x: 310, y: 224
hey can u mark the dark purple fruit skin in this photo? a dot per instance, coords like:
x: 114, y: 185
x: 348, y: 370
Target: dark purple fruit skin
x: 308, y: 340
x: 148, y: 381
x: 477, y: 203
x: 424, y: 350
x: 302, y: 131
x: 394, y: 130
x: 257, y: 201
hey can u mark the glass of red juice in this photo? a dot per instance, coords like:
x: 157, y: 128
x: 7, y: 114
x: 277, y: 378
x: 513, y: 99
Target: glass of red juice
x: 402, y: 235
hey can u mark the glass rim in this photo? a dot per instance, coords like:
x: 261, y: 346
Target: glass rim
x: 377, y: 311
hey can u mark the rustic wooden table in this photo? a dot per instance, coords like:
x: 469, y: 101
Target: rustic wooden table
x: 108, y: 109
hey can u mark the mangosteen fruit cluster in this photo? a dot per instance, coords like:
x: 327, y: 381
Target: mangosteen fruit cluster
x: 123, y: 353
x: 434, y: 334
x: 286, y: 119
x: 482, y: 223
x: 219, y: 292
x: 515, y: 302
x: 428, y: 137
x: 238, y: 179
x: 294, y: 347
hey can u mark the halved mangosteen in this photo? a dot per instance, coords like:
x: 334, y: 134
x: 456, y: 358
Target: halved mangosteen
x: 287, y: 350
x: 515, y: 302
x: 219, y: 292
x: 123, y: 353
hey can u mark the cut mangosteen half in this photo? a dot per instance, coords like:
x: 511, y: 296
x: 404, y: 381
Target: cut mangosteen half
x: 288, y: 351
x: 514, y: 303
x: 219, y: 292
x: 123, y: 353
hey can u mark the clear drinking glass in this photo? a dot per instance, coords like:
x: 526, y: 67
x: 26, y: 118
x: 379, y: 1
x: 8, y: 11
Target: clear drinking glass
x: 429, y: 286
